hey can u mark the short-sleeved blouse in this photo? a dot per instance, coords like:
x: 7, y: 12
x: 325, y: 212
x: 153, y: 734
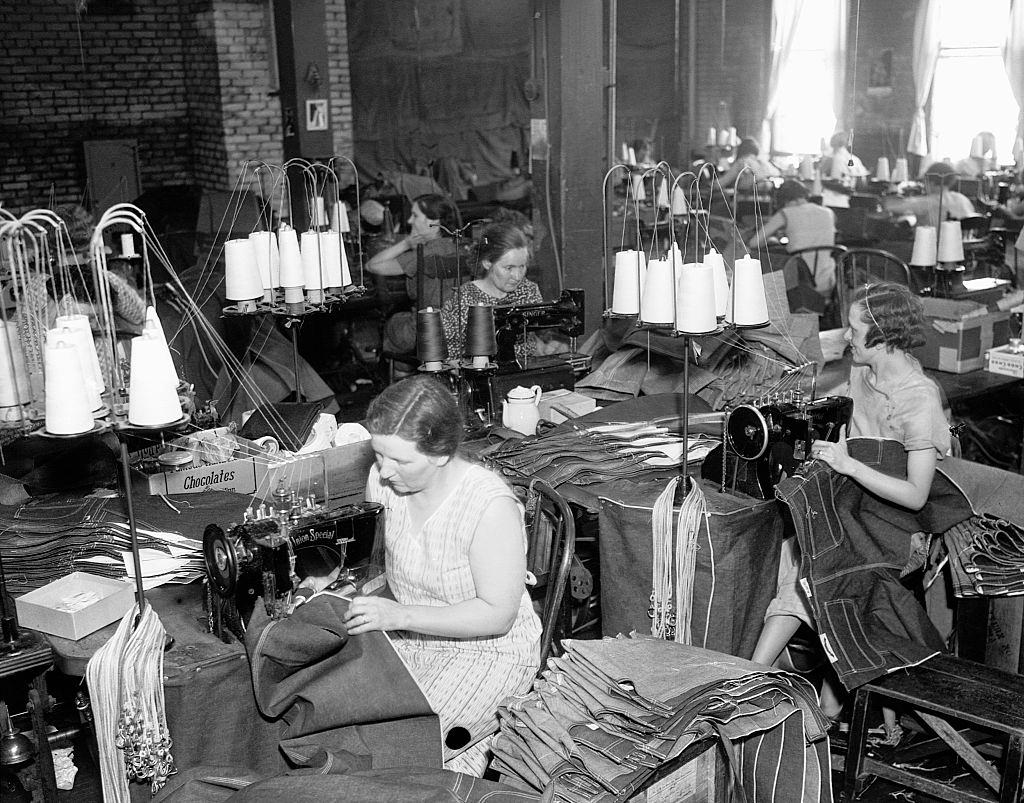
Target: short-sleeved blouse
x: 455, y: 310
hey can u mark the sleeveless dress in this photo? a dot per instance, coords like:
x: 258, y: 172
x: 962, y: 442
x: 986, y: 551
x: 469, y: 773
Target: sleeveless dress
x: 464, y: 679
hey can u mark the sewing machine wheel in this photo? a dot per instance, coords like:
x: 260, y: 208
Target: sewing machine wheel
x: 747, y: 431
x: 221, y: 560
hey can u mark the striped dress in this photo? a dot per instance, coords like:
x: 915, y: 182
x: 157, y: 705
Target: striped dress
x: 464, y: 679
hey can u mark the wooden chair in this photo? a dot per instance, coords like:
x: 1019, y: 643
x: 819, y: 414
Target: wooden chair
x: 551, y: 543
x: 802, y: 269
x: 859, y: 266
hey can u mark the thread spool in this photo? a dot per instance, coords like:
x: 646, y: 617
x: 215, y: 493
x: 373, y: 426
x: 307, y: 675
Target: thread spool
x: 80, y: 323
x: 663, y: 202
x: 723, y: 138
x: 291, y: 269
x: 712, y: 137
x: 630, y: 267
x: 331, y: 255
x: 721, y: 282
x: 320, y: 212
x: 630, y: 156
x: 748, y: 305
x: 75, y: 338
x: 128, y: 246
x: 926, y: 161
x: 679, y: 205
x: 951, y: 243
x: 806, y: 169
x: 639, y: 191
x: 625, y: 153
x: 68, y: 411
x: 431, y: 348
x: 924, y: 254
x: 15, y: 389
x: 312, y: 266
x: 339, y: 218
x: 162, y: 353
x: 268, y: 261
x: 241, y: 276
x: 152, y: 396
x: 695, y: 300
x: 658, y: 294
x: 816, y: 188
x: 481, y: 343
x: 901, y: 172
x: 882, y: 172
x: 734, y: 139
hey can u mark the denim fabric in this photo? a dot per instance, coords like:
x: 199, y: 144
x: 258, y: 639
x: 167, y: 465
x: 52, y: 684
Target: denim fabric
x: 853, y: 546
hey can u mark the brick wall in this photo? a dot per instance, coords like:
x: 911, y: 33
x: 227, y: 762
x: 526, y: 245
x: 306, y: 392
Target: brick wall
x: 190, y: 81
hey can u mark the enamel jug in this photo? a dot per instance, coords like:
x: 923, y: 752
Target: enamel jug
x: 520, y: 410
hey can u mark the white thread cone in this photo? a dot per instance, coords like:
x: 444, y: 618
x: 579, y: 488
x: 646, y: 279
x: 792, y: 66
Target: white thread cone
x: 313, y: 275
x: 663, y: 194
x: 241, y: 276
x: 639, y: 192
x: 748, y: 305
x: 152, y: 395
x: 816, y: 188
x: 319, y: 212
x: 630, y: 156
x: 625, y: 153
x: 630, y: 267
x: 658, y: 293
x: 695, y: 299
x: 68, y: 411
x: 80, y: 323
x: 339, y: 218
x: 14, y: 385
x: 679, y: 205
x: 926, y: 161
x: 806, y: 170
x: 291, y: 265
x: 901, y: 172
x: 128, y: 246
x: 882, y: 169
x: 924, y: 254
x: 336, y: 273
x: 717, y: 263
x: 951, y: 242
x: 268, y: 258
x: 163, y: 353
x: 80, y: 341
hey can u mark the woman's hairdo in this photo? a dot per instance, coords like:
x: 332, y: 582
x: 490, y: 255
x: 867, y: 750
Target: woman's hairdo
x: 419, y: 409
x: 748, y: 147
x: 497, y: 240
x: 791, y: 191
x: 894, y: 315
x: 440, y: 208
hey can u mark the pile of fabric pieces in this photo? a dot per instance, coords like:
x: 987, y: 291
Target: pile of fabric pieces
x: 584, y: 455
x: 609, y: 713
x: 986, y: 557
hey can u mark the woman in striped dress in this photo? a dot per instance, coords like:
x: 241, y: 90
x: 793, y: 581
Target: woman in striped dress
x: 456, y: 563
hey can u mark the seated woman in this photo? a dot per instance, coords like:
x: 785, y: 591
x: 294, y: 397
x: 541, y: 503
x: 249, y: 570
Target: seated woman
x: 805, y: 225
x: 430, y: 215
x: 940, y: 203
x: 502, y: 256
x: 892, y: 398
x: 841, y: 164
x: 455, y: 560
x: 982, y: 157
x: 748, y: 167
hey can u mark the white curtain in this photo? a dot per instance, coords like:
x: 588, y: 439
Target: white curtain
x: 836, y: 55
x: 926, y: 54
x: 1013, y: 58
x: 785, y: 14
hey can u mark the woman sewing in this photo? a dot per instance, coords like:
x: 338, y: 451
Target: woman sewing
x: 503, y: 256
x: 455, y: 560
x: 431, y: 215
x: 893, y: 399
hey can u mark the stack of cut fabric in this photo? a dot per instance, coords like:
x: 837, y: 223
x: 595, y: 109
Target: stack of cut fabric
x: 597, y: 453
x: 609, y: 713
x: 986, y: 557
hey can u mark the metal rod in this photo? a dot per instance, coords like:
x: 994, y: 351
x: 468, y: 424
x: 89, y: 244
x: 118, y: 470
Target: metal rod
x: 126, y: 477
x: 294, y: 326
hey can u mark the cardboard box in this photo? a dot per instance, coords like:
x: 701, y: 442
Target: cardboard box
x: 571, y: 400
x: 342, y: 469
x: 62, y: 608
x: 959, y: 333
x: 1005, y: 360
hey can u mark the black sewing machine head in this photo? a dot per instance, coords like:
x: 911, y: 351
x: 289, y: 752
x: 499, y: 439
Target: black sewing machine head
x: 512, y: 323
x: 274, y: 548
x: 765, y: 443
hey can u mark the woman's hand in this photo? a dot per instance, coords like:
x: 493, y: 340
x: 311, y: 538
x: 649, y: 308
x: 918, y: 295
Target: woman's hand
x: 374, y: 613
x: 835, y: 455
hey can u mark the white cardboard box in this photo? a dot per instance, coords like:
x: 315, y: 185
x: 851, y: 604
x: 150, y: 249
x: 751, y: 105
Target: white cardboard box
x: 570, y: 399
x: 53, y: 609
x: 1005, y: 360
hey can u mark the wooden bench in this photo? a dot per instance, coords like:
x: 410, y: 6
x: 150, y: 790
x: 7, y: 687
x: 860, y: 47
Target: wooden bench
x: 965, y: 704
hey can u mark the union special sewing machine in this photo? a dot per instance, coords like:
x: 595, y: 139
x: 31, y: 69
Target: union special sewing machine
x: 762, y: 443
x: 277, y: 545
x: 483, y: 389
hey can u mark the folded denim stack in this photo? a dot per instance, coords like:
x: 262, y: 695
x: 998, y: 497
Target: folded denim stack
x: 587, y: 455
x: 610, y: 712
x: 986, y: 557
x: 54, y: 536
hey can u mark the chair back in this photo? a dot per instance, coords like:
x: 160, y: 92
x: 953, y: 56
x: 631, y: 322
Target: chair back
x: 813, y: 268
x: 551, y: 543
x: 860, y: 266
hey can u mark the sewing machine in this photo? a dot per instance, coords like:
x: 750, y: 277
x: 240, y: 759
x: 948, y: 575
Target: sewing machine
x: 761, y: 444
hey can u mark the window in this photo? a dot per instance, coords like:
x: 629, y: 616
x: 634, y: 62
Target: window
x: 805, y: 115
x: 970, y: 91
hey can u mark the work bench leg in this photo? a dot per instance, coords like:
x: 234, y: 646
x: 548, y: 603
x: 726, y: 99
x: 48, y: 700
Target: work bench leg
x: 1013, y: 770
x: 855, y: 747
x: 44, y: 758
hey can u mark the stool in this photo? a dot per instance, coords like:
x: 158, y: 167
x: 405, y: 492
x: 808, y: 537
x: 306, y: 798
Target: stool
x: 946, y: 692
